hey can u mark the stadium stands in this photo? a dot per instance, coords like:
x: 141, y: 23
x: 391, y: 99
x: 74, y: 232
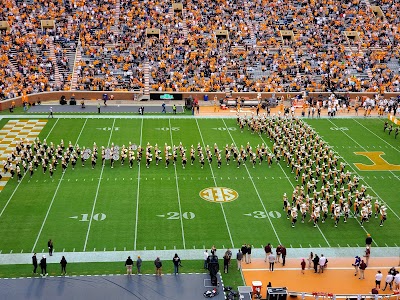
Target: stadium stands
x: 200, y: 46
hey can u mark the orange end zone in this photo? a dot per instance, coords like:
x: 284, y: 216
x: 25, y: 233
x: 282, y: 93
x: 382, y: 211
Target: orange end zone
x: 338, y: 278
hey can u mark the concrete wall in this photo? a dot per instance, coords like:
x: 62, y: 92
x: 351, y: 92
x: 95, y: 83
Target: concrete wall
x: 91, y: 95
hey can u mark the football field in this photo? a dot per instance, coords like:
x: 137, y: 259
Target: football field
x: 139, y: 208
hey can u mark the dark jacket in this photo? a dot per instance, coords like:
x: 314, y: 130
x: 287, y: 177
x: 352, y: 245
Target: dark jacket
x: 43, y: 262
x: 158, y: 263
x: 244, y: 249
x: 34, y: 260
x: 176, y: 260
x: 129, y: 262
x: 63, y: 262
x: 267, y: 249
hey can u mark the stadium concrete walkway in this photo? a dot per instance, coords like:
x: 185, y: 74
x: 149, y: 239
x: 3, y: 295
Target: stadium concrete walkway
x: 194, y: 254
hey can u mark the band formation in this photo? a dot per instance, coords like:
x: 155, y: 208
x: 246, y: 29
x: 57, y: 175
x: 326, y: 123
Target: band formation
x: 325, y: 188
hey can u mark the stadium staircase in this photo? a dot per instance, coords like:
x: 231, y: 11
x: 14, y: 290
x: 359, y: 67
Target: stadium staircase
x: 253, y: 40
x: 78, y: 56
x: 53, y: 58
x: 117, y: 13
x: 184, y: 25
x: 146, y: 71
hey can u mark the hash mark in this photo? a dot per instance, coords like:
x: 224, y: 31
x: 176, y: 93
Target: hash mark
x: 72, y: 250
x: 348, y: 245
x: 12, y: 251
x: 319, y: 245
x: 338, y: 245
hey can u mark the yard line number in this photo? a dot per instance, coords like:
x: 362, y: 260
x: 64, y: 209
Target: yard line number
x: 174, y: 215
x: 258, y: 214
x: 85, y: 217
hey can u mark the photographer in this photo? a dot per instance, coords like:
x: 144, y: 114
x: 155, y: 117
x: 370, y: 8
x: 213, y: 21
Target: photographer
x: 177, y: 263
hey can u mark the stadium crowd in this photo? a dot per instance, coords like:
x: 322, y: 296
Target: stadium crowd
x: 188, y: 56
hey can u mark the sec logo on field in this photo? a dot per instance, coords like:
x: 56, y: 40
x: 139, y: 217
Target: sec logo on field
x: 219, y: 194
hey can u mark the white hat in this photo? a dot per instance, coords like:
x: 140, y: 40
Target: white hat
x: 44, y: 256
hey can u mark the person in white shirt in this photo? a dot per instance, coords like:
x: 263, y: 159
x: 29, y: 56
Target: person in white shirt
x: 322, y: 262
x: 396, y: 281
x: 388, y: 281
x: 206, y: 255
x: 378, y: 279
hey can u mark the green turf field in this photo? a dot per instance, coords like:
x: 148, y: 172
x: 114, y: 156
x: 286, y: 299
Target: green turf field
x: 160, y: 208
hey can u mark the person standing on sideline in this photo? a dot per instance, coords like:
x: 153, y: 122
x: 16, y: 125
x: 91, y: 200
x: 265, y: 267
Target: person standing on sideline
x: 139, y: 265
x: 226, y: 263
x: 63, y: 264
x: 322, y: 262
x: 396, y: 281
x: 128, y: 265
x: 378, y: 279
x: 356, y: 265
x: 310, y: 259
x: 239, y: 257
x: 50, y: 246
x: 368, y: 240
x: 283, y: 252
x: 174, y: 109
x: 248, y: 253
x: 206, y: 258
x: 51, y: 112
x: 197, y: 108
x: 43, y: 266
x: 316, y: 262
x: 271, y: 259
x: 158, y: 265
x: 177, y: 263
x: 98, y: 107
x: 163, y: 111
x: 244, y: 251
x: 278, y: 253
x: 363, y: 266
x: 267, y: 250
x: 303, y: 265
x: 34, y: 263
x: 388, y: 281
x: 367, y: 255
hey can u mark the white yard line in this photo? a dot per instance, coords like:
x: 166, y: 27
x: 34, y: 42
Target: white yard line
x: 377, y: 136
x: 54, y: 196
x: 288, y: 179
x: 359, y: 175
x: 255, y: 188
x: 215, y: 183
x: 177, y: 190
x: 16, y: 188
x: 138, y: 187
x: 97, y: 192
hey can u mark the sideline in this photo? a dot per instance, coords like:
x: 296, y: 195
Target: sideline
x: 192, y: 254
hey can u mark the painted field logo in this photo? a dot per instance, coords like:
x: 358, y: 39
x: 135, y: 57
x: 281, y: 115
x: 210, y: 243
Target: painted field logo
x: 379, y: 164
x: 219, y: 194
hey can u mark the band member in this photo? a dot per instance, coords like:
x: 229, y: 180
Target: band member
x: 192, y: 155
x: 184, y: 161
x: 383, y: 214
x: 51, y: 170
x: 337, y: 215
x: 294, y: 216
x: 93, y: 160
x: 131, y: 158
